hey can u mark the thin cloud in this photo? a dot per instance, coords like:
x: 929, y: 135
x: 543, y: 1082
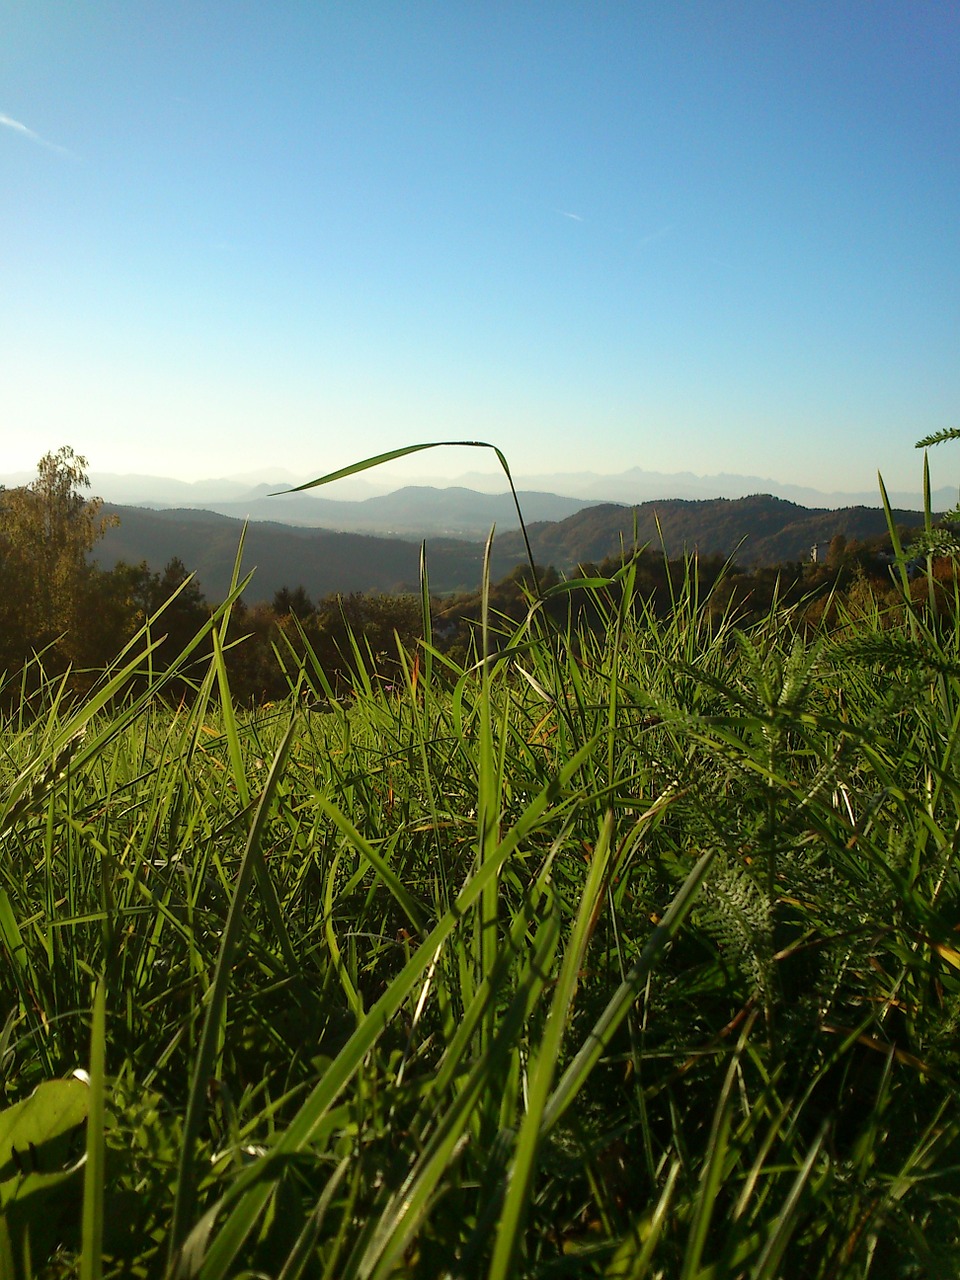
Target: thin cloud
x: 574, y: 217
x: 9, y: 123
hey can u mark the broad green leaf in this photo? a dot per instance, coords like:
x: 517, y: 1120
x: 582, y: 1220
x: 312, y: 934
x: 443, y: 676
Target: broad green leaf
x: 34, y: 1133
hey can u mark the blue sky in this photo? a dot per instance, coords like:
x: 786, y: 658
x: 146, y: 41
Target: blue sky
x: 697, y: 236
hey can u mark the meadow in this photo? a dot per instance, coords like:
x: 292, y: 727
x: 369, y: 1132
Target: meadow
x: 623, y: 951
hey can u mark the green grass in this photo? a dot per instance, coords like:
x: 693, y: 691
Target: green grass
x: 625, y: 953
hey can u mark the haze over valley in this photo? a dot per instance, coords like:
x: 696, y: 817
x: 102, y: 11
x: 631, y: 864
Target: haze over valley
x: 464, y: 507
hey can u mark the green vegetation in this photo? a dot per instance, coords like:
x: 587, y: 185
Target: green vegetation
x: 618, y: 941
x: 757, y: 531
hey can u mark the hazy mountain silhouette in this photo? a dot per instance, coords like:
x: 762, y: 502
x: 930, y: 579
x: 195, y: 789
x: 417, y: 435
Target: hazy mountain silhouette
x: 376, y: 502
x: 411, y: 512
x: 637, y: 486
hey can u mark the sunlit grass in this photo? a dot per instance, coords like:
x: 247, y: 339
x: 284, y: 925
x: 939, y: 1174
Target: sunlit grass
x: 628, y: 952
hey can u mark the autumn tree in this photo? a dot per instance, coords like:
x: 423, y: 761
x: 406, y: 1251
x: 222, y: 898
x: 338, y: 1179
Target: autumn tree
x: 47, y: 529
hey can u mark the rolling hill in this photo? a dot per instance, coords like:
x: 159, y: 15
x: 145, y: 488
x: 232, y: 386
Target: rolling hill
x: 757, y: 530
x: 282, y: 555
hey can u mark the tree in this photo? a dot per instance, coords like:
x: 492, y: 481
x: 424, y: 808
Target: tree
x: 185, y: 615
x: 47, y: 529
x: 837, y: 552
x: 296, y: 602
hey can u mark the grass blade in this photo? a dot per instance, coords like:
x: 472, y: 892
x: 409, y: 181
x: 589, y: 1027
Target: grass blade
x: 519, y: 1188
x: 252, y: 1190
x: 184, y: 1203
x: 578, y: 1070
x: 91, y: 1255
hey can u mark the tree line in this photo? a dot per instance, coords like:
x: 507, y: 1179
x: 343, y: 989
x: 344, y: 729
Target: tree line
x: 57, y: 603
x: 59, y: 606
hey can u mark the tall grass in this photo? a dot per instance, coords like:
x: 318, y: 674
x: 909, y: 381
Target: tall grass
x: 627, y: 952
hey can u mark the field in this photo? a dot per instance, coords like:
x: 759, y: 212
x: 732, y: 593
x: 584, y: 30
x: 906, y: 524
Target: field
x: 623, y: 953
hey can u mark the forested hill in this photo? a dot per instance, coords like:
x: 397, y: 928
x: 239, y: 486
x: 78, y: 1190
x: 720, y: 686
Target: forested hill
x: 759, y: 530
x: 283, y: 555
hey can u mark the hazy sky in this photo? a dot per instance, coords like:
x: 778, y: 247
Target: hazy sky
x: 682, y: 236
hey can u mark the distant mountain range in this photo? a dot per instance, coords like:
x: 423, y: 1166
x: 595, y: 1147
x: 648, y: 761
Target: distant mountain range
x: 416, y: 511
x: 756, y: 530
x: 376, y: 502
x: 637, y: 485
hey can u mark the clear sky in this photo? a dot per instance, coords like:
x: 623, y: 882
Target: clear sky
x: 695, y: 236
